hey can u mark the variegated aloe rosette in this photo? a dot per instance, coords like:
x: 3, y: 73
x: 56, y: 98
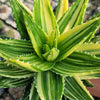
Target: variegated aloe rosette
x: 54, y: 57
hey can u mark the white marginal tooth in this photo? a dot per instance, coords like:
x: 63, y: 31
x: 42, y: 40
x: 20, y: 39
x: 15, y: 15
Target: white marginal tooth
x: 79, y: 43
x: 9, y: 58
x: 97, y: 42
x: 91, y: 71
x: 34, y: 64
x: 75, y: 48
x: 22, y: 61
x: 27, y: 62
x: 7, y: 64
x: 85, y: 38
x: 83, y: 73
x: 17, y: 59
x: 77, y: 75
x: 88, y: 53
x: 70, y: 76
x: 96, y: 18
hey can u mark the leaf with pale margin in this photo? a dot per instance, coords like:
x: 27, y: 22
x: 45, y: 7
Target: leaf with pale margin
x: 50, y: 90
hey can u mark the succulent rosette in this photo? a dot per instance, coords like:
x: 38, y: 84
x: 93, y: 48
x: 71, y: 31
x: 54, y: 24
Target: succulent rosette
x: 55, y: 56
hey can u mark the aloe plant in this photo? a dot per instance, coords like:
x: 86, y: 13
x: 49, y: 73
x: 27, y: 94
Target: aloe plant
x: 55, y: 56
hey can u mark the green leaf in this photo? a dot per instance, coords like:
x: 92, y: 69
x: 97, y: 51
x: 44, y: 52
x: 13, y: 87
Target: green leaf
x: 51, y: 55
x: 30, y: 93
x: 75, y: 90
x: 62, y: 7
x: 31, y: 62
x: 73, y: 17
x: 13, y: 82
x: 52, y: 89
x: 95, y: 16
x: 93, y: 49
x: 19, y: 19
x: 79, y: 64
x: 14, y: 48
x: 4, y: 37
x: 87, y: 83
x: 37, y: 36
x: 71, y: 40
x: 7, y: 70
x: 44, y: 17
x: 96, y: 39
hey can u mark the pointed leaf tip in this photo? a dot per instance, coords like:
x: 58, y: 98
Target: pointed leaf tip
x: 62, y: 7
x: 18, y: 16
x: 73, y: 17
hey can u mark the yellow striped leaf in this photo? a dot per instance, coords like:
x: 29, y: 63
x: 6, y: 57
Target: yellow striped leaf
x: 79, y: 64
x: 75, y: 89
x: 13, y: 48
x: 13, y: 82
x: 19, y: 19
x: 73, y: 17
x: 31, y: 62
x: 92, y: 36
x: 92, y: 48
x: 44, y: 17
x: 10, y: 71
x: 71, y: 40
x: 51, y: 55
x: 37, y: 36
x: 53, y: 87
x: 62, y: 7
x: 30, y: 92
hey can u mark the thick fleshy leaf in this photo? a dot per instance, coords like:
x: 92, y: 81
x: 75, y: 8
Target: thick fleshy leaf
x: 31, y: 62
x: 13, y: 82
x: 19, y: 19
x: 51, y: 55
x: 30, y: 93
x: 69, y: 41
x: 62, y: 7
x: 44, y: 17
x: 75, y: 90
x: 14, y: 48
x: 73, y: 17
x: 7, y: 70
x: 92, y: 36
x: 80, y: 64
x: 52, y: 89
x: 37, y: 36
x: 92, y: 48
